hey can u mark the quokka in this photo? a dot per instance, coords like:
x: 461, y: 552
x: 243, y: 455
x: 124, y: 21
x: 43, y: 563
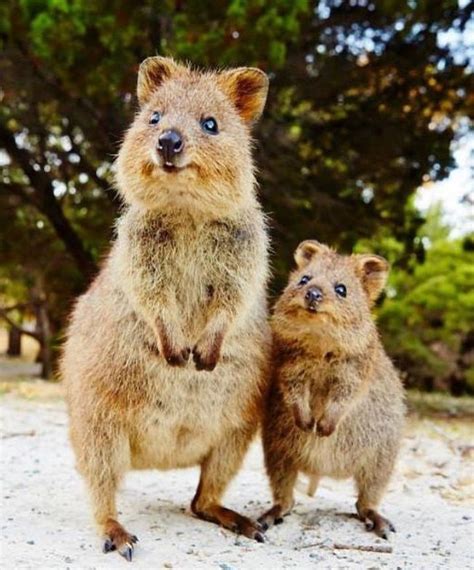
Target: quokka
x: 336, y: 404
x: 166, y: 358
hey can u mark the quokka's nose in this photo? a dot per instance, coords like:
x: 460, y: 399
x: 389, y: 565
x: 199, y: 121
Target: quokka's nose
x: 313, y: 296
x: 170, y: 144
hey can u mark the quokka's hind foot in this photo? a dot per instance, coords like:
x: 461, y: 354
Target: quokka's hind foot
x: 117, y: 538
x: 217, y: 470
x: 282, y: 478
x: 231, y: 520
x: 273, y: 516
x: 376, y: 522
x: 371, y: 483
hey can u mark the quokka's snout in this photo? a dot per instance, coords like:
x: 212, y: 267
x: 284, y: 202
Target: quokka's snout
x: 170, y: 144
x: 313, y: 298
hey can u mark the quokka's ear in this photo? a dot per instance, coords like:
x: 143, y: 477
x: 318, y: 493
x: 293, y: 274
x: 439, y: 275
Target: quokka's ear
x: 153, y: 71
x: 307, y: 250
x: 247, y: 87
x: 373, y: 271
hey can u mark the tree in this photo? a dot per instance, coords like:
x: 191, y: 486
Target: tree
x: 428, y: 315
x: 363, y: 106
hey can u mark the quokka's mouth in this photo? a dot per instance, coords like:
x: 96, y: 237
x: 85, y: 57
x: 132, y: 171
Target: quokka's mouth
x: 315, y: 310
x: 170, y: 167
x: 312, y: 307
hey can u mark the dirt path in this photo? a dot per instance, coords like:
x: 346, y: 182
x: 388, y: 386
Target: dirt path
x: 46, y: 523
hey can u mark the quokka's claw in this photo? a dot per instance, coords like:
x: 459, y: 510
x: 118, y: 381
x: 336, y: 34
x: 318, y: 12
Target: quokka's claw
x: 203, y: 363
x: 109, y: 546
x: 377, y: 523
x: 118, y: 539
x: 179, y: 358
x: 127, y: 551
x: 272, y: 517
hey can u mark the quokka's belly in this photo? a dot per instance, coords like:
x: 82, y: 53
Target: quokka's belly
x: 338, y: 455
x: 190, y: 414
x: 178, y: 433
x: 166, y: 447
x: 326, y: 459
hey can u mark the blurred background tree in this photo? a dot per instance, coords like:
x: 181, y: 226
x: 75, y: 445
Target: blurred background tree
x: 364, y: 105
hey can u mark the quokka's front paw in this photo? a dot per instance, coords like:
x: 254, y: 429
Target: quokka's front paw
x: 303, y: 418
x: 207, y: 352
x: 326, y: 425
x: 178, y: 357
x: 172, y: 352
x: 171, y: 345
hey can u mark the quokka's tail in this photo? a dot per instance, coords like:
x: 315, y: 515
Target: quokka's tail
x: 309, y: 486
x: 313, y: 485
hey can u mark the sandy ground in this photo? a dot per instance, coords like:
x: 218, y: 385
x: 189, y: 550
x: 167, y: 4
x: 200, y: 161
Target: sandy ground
x: 45, y: 518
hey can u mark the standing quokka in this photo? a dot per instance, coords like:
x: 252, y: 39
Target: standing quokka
x: 336, y: 404
x: 166, y: 354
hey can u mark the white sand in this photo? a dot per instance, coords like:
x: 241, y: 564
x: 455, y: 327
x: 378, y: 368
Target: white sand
x: 46, y: 523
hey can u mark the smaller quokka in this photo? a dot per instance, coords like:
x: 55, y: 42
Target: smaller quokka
x: 336, y: 404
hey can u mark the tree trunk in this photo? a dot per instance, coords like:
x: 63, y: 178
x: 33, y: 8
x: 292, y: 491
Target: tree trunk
x: 14, y: 342
x: 44, y: 200
x: 43, y: 329
x: 66, y: 233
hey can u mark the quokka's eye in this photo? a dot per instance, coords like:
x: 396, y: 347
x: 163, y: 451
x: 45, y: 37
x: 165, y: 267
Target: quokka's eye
x: 340, y: 290
x: 155, y: 118
x: 209, y: 125
x: 305, y: 279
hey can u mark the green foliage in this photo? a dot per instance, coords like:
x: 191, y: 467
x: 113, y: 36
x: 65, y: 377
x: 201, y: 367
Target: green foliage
x: 427, y: 318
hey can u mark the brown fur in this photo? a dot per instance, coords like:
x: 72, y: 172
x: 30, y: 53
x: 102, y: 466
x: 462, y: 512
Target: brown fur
x: 186, y: 276
x: 336, y: 402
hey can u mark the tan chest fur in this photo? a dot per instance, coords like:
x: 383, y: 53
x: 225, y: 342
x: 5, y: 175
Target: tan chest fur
x: 193, y: 260
x: 174, y: 415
